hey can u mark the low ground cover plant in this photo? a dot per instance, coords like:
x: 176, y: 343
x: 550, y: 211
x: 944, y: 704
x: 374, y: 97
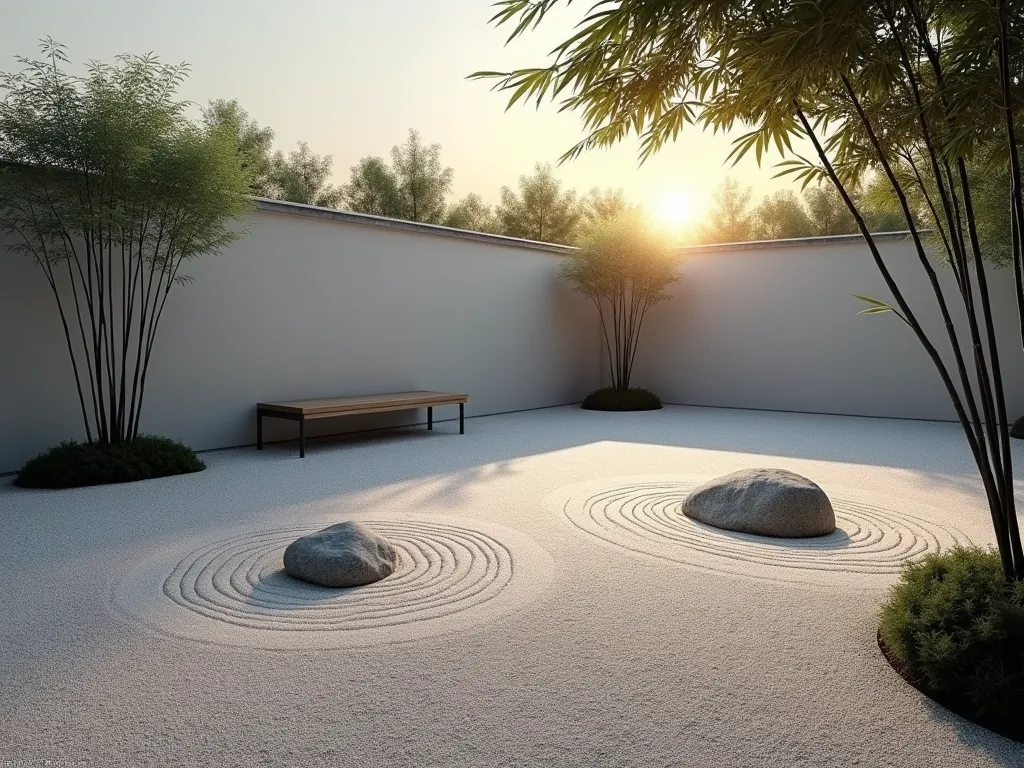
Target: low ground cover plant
x: 72, y: 464
x: 954, y: 627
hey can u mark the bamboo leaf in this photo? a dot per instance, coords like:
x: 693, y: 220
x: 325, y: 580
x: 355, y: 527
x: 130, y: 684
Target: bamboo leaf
x: 871, y: 301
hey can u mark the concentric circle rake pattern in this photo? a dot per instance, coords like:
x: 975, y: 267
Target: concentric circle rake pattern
x: 443, y: 570
x: 447, y: 575
x: 868, y: 549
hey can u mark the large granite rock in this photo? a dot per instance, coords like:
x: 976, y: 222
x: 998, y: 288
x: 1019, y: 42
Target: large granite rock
x: 766, y: 502
x: 344, y: 555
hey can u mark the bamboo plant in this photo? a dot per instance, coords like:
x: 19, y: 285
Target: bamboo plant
x: 909, y: 93
x: 109, y: 187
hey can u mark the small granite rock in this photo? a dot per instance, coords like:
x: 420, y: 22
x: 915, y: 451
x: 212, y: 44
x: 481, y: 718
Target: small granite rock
x: 344, y: 555
x: 766, y: 502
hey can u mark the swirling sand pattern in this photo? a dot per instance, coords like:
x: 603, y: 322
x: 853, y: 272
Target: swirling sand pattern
x: 867, y: 550
x: 235, y: 591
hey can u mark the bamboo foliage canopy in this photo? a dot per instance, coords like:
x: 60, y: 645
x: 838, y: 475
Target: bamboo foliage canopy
x: 109, y: 186
x: 922, y: 96
x: 651, y: 67
x: 624, y: 268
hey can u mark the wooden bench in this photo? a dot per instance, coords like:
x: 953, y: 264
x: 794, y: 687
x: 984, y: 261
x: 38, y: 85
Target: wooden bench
x: 304, y: 410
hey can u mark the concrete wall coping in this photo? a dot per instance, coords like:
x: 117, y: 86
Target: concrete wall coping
x: 368, y: 220
x: 365, y: 219
x: 794, y: 242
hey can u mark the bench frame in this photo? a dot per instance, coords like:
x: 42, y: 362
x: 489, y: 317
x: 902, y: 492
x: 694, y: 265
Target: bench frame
x: 306, y: 410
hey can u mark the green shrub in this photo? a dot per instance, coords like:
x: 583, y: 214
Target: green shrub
x: 72, y: 464
x: 611, y: 399
x: 958, y: 629
x: 1017, y: 430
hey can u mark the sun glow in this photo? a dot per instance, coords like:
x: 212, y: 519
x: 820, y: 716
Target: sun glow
x: 675, y: 207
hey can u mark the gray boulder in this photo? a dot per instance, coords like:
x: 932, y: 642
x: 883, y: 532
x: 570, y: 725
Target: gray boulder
x: 766, y: 502
x: 344, y: 555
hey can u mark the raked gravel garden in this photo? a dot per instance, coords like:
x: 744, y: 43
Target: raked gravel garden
x: 551, y: 605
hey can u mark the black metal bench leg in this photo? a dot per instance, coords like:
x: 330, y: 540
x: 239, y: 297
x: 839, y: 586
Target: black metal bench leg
x: 259, y: 430
x: 430, y: 417
x: 462, y: 418
x: 302, y: 438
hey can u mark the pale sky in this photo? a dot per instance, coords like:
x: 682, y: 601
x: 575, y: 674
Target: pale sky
x: 352, y: 76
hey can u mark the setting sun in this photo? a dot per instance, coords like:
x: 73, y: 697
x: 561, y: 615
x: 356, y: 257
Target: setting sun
x: 675, y: 207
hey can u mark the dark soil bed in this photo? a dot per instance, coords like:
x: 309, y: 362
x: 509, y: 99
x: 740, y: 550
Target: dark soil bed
x: 1015, y: 733
x: 611, y: 399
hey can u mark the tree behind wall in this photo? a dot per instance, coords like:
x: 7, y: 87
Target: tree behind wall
x: 541, y: 210
x: 989, y: 179
x: 414, y: 187
x: 110, y: 189
x: 827, y: 211
x: 302, y: 176
x: 729, y: 220
x: 781, y: 216
x: 602, y: 205
x: 471, y: 213
x: 255, y: 143
x: 372, y: 189
x: 423, y: 185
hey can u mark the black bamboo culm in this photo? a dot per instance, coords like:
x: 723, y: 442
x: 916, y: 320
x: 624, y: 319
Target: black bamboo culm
x: 624, y: 269
x: 627, y: 300
x: 119, y: 282
x: 110, y: 188
x: 979, y: 402
x: 917, y: 101
x: 628, y: 303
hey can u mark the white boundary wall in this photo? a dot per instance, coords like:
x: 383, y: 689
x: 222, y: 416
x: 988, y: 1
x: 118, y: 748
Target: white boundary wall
x: 316, y: 303
x: 313, y: 305
x: 774, y: 326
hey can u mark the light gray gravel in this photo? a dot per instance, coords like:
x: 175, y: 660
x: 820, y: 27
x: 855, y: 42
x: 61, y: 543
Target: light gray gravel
x: 631, y: 641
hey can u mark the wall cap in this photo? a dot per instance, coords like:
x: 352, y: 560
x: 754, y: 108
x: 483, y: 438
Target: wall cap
x: 366, y: 219
x: 753, y: 245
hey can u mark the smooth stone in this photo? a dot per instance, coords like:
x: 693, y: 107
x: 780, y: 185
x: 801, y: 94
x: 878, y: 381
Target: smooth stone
x: 766, y: 502
x: 344, y: 555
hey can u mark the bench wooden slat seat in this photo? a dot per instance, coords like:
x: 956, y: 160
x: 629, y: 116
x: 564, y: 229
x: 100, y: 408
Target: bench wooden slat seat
x: 323, y: 408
